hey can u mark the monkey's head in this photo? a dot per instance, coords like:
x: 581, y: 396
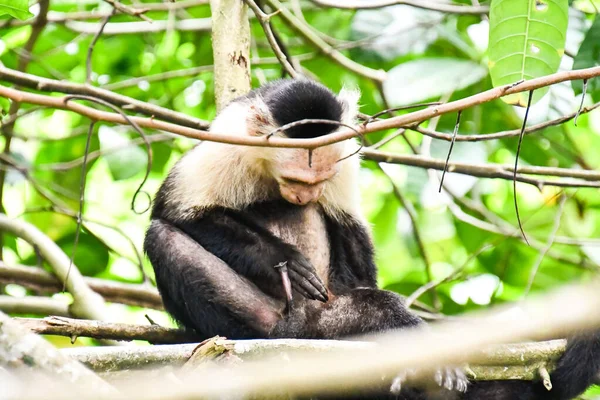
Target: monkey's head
x: 301, y: 175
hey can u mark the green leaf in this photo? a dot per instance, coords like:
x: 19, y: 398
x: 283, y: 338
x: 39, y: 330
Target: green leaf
x: 427, y: 78
x: 15, y: 8
x: 589, y: 56
x: 125, y: 162
x: 527, y: 40
x: 4, y: 105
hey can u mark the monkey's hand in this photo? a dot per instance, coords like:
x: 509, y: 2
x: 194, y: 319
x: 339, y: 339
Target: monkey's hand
x: 304, y: 278
x: 446, y: 377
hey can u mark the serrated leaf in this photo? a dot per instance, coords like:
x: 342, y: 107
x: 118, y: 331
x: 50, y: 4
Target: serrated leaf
x: 527, y: 40
x: 125, y: 162
x: 589, y: 56
x: 427, y: 78
x: 15, y: 8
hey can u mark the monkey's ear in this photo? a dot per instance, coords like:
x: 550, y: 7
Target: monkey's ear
x: 349, y: 98
x: 258, y: 119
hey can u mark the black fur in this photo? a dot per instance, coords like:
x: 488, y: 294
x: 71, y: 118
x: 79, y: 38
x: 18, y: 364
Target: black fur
x: 215, y: 273
x: 294, y: 100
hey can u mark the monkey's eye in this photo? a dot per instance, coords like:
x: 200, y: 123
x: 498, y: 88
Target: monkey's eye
x: 294, y: 181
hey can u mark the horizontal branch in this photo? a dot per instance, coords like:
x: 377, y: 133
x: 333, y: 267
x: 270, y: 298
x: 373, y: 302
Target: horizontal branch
x: 424, y: 4
x: 127, y: 103
x: 35, y: 305
x: 489, y: 171
x: 310, y: 373
x: 586, y: 178
x: 116, y: 292
x: 106, y: 330
x: 342, y: 134
x: 511, y: 361
x: 132, y: 28
x: 504, y: 134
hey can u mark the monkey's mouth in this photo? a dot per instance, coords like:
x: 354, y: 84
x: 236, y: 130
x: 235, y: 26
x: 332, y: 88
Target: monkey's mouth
x: 301, y: 194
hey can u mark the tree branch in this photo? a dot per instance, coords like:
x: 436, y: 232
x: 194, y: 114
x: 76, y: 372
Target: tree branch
x: 86, y: 303
x: 342, y: 134
x: 424, y: 4
x: 584, y: 178
x: 21, y: 349
x: 136, y: 28
x: 115, y: 292
x: 128, y: 103
x: 36, y: 305
x: 106, y: 330
x: 306, y: 31
x: 231, y: 50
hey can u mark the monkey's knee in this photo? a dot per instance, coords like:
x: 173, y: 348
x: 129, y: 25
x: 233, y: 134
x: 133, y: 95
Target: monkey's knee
x: 385, y: 310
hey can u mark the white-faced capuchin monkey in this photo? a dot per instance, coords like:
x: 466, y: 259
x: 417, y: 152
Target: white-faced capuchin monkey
x: 255, y: 242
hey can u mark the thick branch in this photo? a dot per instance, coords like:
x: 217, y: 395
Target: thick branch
x: 128, y: 103
x: 20, y: 348
x: 116, y: 292
x: 106, y: 330
x: 512, y: 361
x: 136, y: 28
x: 231, y: 49
x: 86, y: 303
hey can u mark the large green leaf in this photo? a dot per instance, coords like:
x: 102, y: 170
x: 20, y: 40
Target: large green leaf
x: 15, y: 8
x: 428, y: 78
x: 589, y: 56
x: 125, y: 162
x: 527, y: 40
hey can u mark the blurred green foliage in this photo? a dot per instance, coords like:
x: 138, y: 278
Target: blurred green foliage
x: 429, y: 56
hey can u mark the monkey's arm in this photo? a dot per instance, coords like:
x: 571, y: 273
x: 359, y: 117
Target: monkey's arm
x: 253, y: 251
x: 190, y: 278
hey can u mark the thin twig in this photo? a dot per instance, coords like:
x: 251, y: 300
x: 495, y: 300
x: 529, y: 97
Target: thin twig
x: 88, y: 60
x: 424, y: 4
x: 517, y: 165
x: 450, y: 151
x: 548, y: 245
x: 583, y: 92
x: 129, y: 10
x: 504, y: 134
x: 81, y: 200
x: 264, y: 20
x: 307, y: 32
x: 136, y: 127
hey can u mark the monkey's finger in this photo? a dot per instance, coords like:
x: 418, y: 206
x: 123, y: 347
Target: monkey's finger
x: 306, y: 270
x: 312, y: 291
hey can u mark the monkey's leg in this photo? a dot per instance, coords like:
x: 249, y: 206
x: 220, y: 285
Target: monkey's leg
x: 202, y: 292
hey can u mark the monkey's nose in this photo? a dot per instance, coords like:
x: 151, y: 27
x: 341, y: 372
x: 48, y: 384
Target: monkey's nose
x: 301, y: 194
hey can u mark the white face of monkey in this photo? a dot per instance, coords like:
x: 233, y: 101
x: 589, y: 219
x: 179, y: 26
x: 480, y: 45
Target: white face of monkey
x: 302, y: 181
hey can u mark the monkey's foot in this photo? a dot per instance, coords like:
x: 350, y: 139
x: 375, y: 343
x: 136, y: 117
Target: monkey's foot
x: 446, y: 377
